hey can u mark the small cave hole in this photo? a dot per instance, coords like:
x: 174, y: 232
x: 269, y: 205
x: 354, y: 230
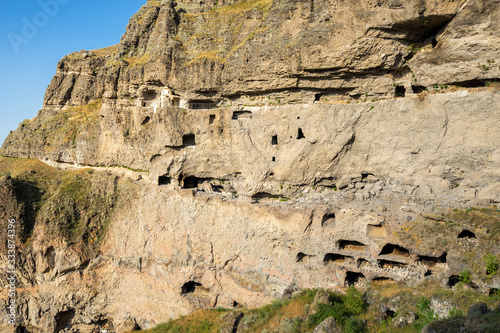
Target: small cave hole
x: 188, y: 140
x: 64, y: 319
x: 164, y: 180
x: 22, y: 329
x: 274, y: 159
x: 274, y: 140
x: 189, y: 287
x: 453, y: 281
x: 335, y: 258
x: 301, y: 256
x: 432, y: 261
x: 237, y: 115
x: 395, y: 250
x: 391, y: 264
x: 146, y: 120
x: 300, y: 134
x: 328, y: 219
x: 354, y: 278
x: 417, y: 89
x: 400, y: 91
x: 351, y: 245
x: 382, y: 279
x: 434, y: 42
x: 211, y: 119
x: 317, y: 97
x: 362, y: 262
x: 389, y: 314
x: 467, y: 234
x: 190, y: 182
x: 493, y: 292
x: 428, y: 273
x: 235, y: 304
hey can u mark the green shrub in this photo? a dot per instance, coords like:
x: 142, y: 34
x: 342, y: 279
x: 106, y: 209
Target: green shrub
x: 355, y: 302
x: 424, y: 313
x: 491, y: 264
x: 454, y: 312
x: 354, y: 325
x: 465, y: 276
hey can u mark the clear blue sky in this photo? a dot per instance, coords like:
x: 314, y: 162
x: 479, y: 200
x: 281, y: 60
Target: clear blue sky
x: 73, y: 26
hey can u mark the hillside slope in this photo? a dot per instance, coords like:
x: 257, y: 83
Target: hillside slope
x: 227, y: 153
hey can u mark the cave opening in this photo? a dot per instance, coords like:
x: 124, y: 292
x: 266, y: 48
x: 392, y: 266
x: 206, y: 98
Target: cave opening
x: 190, y: 182
x: 335, y: 258
x: 164, y: 180
x: 453, y: 281
x: 351, y: 245
x: 328, y: 219
x: 354, y: 278
x: 400, y: 91
x: 467, y: 234
x: 189, y: 287
x: 395, y: 250
x: 417, y: 89
x: 188, y: 140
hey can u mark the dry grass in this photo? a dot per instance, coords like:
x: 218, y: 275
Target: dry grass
x: 20, y: 166
x: 218, y: 34
x: 244, y: 6
x: 110, y: 50
x: 201, y: 321
x: 137, y: 61
x: 65, y: 126
x: 210, y: 55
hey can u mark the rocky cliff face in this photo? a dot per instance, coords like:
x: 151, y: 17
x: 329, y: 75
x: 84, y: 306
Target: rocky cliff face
x: 322, y: 136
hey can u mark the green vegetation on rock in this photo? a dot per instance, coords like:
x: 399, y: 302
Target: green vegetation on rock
x: 73, y: 205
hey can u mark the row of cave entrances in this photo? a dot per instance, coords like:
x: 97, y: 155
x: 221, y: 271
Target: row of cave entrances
x: 190, y: 182
x: 389, y: 251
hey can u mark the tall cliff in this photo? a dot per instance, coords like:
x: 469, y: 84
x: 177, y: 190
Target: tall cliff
x: 272, y: 146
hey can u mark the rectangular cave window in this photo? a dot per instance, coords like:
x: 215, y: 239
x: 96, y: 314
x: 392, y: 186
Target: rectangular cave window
x: 274, y: 140
x: 190, y: 182
x: 400, y: 91
x: 274, y: 159
x: 188, y: 140
x: 164, y: 180
x: 237, y: 115
x: 300, y: 134
x: 417, y: 89
x: 211, y: 119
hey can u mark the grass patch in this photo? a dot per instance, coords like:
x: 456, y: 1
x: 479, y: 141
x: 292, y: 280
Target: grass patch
x: 110, y: 50
x: 62, y: 129
x: 74, y: 205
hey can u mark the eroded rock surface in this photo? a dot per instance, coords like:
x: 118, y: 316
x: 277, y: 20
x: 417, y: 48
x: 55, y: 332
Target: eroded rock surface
x: 272, y: 146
